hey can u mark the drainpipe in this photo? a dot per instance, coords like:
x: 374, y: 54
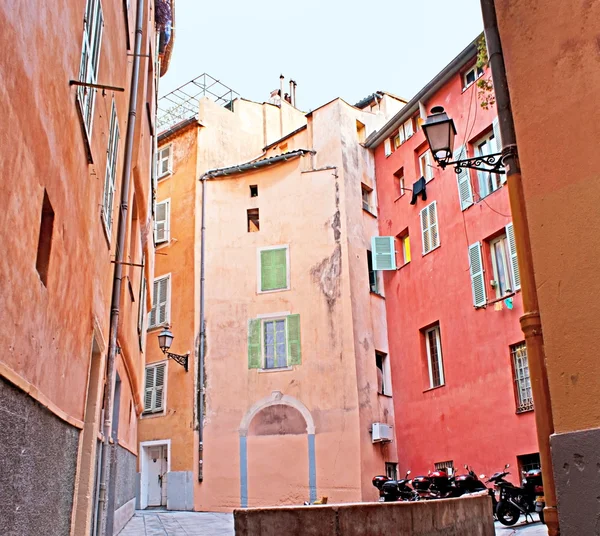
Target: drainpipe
x: 530, y: 321
x: 281, y: 78
x: 107, y: 500
x: 202, y: 338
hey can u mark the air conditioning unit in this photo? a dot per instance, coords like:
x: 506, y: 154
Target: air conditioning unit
x: 381, y: 432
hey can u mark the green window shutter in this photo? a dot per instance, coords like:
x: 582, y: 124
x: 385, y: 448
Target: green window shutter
x: 293, y: 333
x: 273, y: 269
x: 254, y: 353
x: 384, y: 252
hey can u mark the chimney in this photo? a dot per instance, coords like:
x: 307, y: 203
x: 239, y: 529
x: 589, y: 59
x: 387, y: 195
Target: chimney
x: 291, y: 101
x: 281, y: 79
x: 293, y: 92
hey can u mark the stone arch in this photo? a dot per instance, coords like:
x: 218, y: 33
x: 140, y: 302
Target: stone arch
x: 277, y: 398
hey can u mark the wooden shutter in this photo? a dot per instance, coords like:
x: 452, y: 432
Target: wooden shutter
x: 152, y: 321
x: 433, y: 225
x: 465, y: 192
x: 149, y: 388
x: 477, y: 275
x: 254, y: 344
x: 384, y: 252
x: 159, y: 387
x: 163, y: 300
x: 425, y: 235
x: 512, y: 246
x: 388, y: 147
x: 273, y: 269
x: 293, y: 335
x: 162, y: 222
x: 428, y: 171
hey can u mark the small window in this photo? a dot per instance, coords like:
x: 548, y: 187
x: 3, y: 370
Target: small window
x: 408, y: 129
x: 384, y: 383
x: 527, y: 462
x: 161, y: 302
x: 521, y: 375
x: 404, y: 240
x: 42, y: 263
x: 391, y: 470
x: 162, y: 222
x: 505, y: 265
x: 273, y: 269
x: 154, y: 388
x: 429, y: 228
x: 471, y: 75
x: 164, y: 162
x: 418, y: 120
x: 253, y: 190
x: 396, y: 140
x: 253, y: 220
x: 274, y: 342
x: 435, y: 364
x: 111, y: 171
x: 488, y: 182
x: 367, y: 194
x: 373, y: 274
x: 360, y: 132
x: 447, y: 466
x: 425, y: 165
x: 399, y: 175
x: 387, y: 145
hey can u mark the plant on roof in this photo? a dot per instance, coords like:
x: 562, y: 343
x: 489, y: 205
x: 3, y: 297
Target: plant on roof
x: 486, y: 95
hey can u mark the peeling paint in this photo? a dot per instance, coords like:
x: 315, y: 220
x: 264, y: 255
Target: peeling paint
x: 327, y: 275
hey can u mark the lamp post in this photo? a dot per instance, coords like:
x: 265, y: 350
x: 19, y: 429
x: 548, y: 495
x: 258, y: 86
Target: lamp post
x: 165, y: 339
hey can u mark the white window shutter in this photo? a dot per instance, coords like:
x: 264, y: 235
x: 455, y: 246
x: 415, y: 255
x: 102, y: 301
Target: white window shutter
x: 512, y: 246
x: 149, y: 388
x: 465, y: 192
x: 387, y: 144
x: 408, y: 128
x: 428, y: 171
x: 384, y: 252
x: 159, y: 387
x: 425, y: 235
x: 433, y: 225
x: 152, y: 320
x: 477, y: 275
x: 163, y: 298
x: 162, y: 222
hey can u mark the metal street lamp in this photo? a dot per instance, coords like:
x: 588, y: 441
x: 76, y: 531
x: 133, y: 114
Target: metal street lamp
x: 440, y: 131
x: 165, y: 339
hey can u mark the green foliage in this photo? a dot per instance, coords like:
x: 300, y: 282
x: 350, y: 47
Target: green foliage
x: 486, y: 95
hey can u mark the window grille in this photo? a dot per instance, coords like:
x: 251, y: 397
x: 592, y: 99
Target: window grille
x: 522, y: 380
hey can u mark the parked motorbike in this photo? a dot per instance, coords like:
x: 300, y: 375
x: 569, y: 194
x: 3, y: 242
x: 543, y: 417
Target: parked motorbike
x: 394, y: 490
x: 515, y: 501
x: 470, y: 483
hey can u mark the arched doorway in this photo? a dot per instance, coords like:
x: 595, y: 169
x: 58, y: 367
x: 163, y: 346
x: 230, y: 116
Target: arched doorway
x: 276, y: 427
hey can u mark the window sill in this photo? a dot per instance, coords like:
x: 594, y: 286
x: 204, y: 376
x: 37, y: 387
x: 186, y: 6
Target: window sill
x: 524, y: 410
x: 269, y: 370
x: 84, y: 130
x: 272, y: 291
x: 402, y: 266
x: 157, y: 327
x: 164, y: 177
x: 377, y: 294
x: 431, y: 250
x: 434, y: 388
x: 163, y: 244
x: 370, y: 213
x: 384, y: 395
x: 153, y: 415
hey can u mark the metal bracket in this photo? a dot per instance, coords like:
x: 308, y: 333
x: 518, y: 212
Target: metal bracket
x: 95, y: 86
x: 181, y: 359
x: 492, y: 161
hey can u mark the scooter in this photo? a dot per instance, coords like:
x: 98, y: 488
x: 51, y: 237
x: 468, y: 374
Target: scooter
x: 394, y: 490
x: 470, y: 483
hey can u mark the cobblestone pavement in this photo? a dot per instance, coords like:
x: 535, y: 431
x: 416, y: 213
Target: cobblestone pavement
x: 163, y: 523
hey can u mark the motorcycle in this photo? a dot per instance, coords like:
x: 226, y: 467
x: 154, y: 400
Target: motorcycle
x: 515, y: 501
x: 394, y: 490
x: 470, y: 483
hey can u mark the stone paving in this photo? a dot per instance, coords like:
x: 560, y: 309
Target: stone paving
x: 163, y: 523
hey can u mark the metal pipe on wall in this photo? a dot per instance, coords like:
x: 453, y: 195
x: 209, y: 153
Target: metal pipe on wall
x: 530, y: 321
x: 109, y: 449
x: 200, y: 379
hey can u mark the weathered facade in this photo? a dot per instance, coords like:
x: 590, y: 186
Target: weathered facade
x: 460, y: 370
x: 293, y: 331
x: 561, y: 194
x: 63, y: 155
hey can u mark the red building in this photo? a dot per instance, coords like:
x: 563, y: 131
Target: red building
x: 458, y: 358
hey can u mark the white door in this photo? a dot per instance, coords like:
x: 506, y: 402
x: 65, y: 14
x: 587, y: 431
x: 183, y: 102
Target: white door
x: 157, y: 471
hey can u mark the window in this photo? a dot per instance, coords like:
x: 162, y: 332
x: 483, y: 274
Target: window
x: 425, y: 167
x: 90, y: 55
x: 384, y: 383
x: 42, y: 262
x: 504, y: 263
x: 447, y: 466
x: 418, y: 122
x: 164, y: 162
x: 367, y: 195
x: 111, y: 170
x: 274, y: 342
x: 373, y: 279
x: 162, y: 224
x: 404, y: 240
x: 521, y: 375
x: 387, y: 144
x: 471, y: 75
x: 253, y: 190
x: 161, y: 302
x: 488, y: 182
x: 435, y: 365
x: 400, y: 178
x: 154, y: 388
x: 253, y: 220
x: 391, y: 470
x: 404, y: 133
x: 396, y: 140
x: 429, y: 228
x: 527, y: 462
x: 360, y: 132
x: 273, y: 269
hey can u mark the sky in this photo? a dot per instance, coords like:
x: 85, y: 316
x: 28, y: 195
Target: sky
x: 331, y: 48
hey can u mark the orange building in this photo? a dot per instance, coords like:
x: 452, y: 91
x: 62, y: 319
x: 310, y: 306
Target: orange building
x: 78, y: 96
x: 294, y: 364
